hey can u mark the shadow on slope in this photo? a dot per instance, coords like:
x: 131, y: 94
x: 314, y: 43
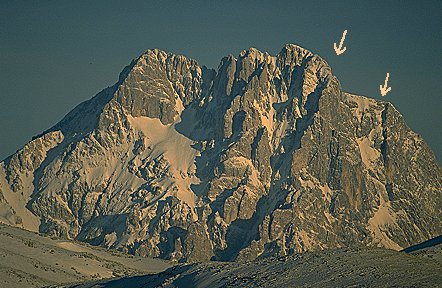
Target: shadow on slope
x: 147, y: 281
x: 426, y: 244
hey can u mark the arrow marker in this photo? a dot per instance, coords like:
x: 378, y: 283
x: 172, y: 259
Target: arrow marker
x: 339, y: 50
x: 385, y: 89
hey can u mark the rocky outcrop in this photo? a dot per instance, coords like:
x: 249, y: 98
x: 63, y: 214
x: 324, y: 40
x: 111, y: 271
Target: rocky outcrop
x: 265, y: 156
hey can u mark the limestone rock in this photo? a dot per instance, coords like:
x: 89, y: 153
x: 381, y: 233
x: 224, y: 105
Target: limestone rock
x: 265, y: 156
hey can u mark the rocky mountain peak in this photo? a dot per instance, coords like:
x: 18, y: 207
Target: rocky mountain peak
x: 264, y: 156
x: 166, y: 81
x: 292, y: 53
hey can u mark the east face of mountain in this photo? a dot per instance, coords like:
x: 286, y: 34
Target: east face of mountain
x: 264, y: 156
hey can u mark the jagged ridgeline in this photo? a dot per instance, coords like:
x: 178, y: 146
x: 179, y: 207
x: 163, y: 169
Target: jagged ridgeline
x: 264, y: 156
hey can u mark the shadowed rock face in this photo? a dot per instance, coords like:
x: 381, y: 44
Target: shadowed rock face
x: 265, y: 156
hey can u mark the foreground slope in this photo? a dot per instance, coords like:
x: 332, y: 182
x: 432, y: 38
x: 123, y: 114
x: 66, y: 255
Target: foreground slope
x: 264, y: 156
x: 30, y: 260
x: 363, y: 267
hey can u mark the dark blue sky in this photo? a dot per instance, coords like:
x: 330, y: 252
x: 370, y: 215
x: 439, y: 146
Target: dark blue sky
x: 55, y: 54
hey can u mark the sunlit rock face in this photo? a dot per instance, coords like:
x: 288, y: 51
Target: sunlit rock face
x: 264, y: 156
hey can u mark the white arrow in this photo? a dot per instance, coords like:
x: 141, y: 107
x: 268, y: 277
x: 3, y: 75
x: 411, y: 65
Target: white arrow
x: 339, y: 50
x: 385, y: 89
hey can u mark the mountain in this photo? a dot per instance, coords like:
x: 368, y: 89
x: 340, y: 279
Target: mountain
x: 264, y: 156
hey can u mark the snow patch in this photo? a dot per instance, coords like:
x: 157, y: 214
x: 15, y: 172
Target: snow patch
x: 18, y: 200
x: 369, y: 154
x: 176, y: 149
x: 383, y: 217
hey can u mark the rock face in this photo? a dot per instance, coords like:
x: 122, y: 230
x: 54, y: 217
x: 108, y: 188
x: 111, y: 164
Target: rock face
x: 265, y: 156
